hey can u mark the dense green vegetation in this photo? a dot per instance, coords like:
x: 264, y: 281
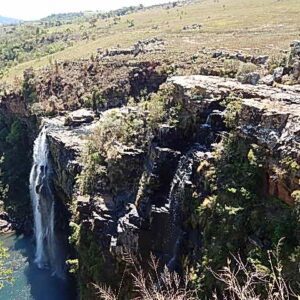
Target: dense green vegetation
x: 235, y: 215
x: 5, y: 272
x: 15, y: 165
x: 237, y: 218
x: 132, y: 127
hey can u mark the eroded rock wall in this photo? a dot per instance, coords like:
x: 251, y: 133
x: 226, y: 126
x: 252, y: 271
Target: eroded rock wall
x: 143, y: 205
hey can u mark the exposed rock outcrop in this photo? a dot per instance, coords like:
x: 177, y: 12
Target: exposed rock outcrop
x: 258, y: 60
x: 141, y: 47
x: 141, y: 207
x: 269, y: 117
x: 6, y: 224
x: 66, y: 143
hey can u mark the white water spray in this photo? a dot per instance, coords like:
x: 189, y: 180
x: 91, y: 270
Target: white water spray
x: 46, y: 255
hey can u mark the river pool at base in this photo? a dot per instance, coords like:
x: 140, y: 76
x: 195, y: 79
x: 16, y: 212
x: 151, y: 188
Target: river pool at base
x: 31, y: 283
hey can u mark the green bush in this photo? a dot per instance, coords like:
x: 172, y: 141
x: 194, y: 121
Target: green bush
x: 72, y: 265
x: 237, y: 218
x: 28, y: 86
x: 132, y: 126
x: 246, y: 68
x: 276, y: 60
x: 233, y: 106
x: 231, y: 67
x: 5, y: 272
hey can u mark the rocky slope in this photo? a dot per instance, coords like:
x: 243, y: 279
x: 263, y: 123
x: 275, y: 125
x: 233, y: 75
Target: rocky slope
x: 269, y: 117
x: 190, y: 170
x: 142, y: 208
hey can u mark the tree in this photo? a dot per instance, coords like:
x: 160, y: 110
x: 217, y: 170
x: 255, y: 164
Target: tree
x: 5, y: 273
x: 28, y: 86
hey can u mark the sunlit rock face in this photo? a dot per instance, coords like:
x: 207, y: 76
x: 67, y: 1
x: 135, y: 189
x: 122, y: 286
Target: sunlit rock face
x: 140, y: 207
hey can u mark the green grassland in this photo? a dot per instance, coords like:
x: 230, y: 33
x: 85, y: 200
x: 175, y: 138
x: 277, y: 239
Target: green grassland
x: 254, y: 26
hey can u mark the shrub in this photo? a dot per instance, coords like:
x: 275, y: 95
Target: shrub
x: 117, y: 128
x: 248, y: 281
x: 231, y: 67
x: 130, y: 23
x: 75, y: 231
x: 233, y: 106
x: 234, y: 215
x: 131, y: 126
x: 276, y: 60
x: 157, y: 106
x: 72, y: 265
x: 28, y: 86
x: 156, y: 284
x: 5, y: 273
x: 246, y: 68
x: 290, y: 165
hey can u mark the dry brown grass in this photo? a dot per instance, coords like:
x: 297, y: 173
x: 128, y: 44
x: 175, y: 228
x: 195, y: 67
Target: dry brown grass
x: 254, y: 26
x: 244, y: 280
x: 155, y: 284
x: 241, y: 281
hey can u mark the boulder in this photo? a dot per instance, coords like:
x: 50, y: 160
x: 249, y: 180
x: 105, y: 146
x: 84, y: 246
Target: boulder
x: 268, y: 80
x: 249, y: 78
x: 260, y: 60
x: 79, y: 117
x: 5, y: 226
x: 278, y: 73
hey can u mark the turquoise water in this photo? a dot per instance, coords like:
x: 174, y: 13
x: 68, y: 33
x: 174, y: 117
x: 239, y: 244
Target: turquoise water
x: 31, y: 283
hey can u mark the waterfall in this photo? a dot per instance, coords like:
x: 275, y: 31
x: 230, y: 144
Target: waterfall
x: 180, y: 189
x: 43, y: 203
x: 182, y: 182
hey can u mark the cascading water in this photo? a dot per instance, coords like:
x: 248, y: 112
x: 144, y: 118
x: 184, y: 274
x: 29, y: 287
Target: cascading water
x: 182, y: 181
x: 47, y: 252
x: 180, y: 188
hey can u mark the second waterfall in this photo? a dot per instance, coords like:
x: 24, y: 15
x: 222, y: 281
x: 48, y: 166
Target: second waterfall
x: 43, y: 203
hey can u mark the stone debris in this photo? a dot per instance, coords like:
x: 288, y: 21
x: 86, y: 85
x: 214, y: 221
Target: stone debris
x: 6, y: 224
x: 224, y: 54
x: 192, y: 27
x: 249, y: 78
x: 141, y: 47
x: 278, y: 73
x: 267, y: 80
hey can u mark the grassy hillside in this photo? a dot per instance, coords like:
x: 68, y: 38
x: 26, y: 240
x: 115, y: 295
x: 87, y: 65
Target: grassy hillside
x: 249, y: 25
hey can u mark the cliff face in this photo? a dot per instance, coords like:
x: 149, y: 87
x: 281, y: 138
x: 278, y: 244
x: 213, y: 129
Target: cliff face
x: 147, y: 198
x: 268, y: 117
x: 146, y: 204
x: 66, y: 144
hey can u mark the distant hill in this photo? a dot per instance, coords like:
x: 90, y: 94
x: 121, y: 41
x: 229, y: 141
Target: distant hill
x: 6, y: 21
x: 63, y: 17
x: 185, y: 32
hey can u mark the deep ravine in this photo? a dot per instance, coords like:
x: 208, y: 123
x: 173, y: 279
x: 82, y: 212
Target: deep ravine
x: 30, y: 282
x: 38, y: 262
